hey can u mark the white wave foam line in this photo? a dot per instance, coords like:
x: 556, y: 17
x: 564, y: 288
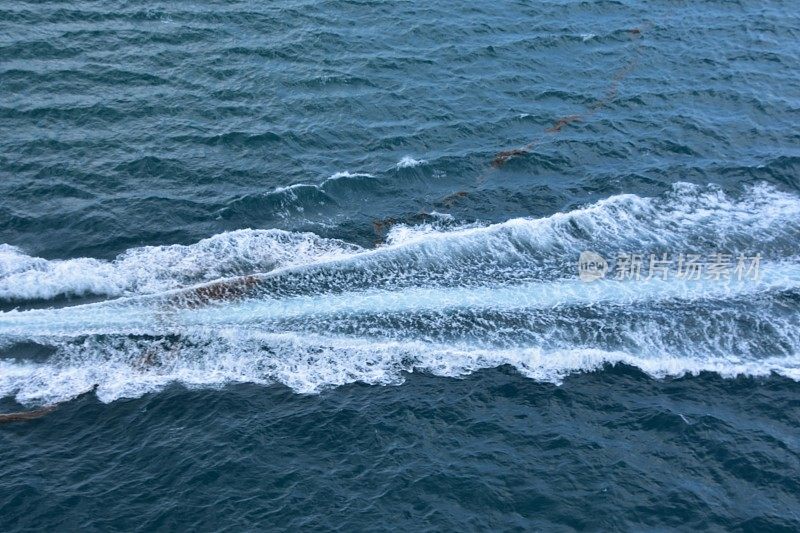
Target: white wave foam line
x: 620, y: 223
x: 689, y: 214
x: 136, y: 316
x: 290, y: 189
x: 410, y: 162
x: 442, y: 224
x: 309, y: 364
x: 347, y: 174
x: 159, y: 268
x: 503, y: 298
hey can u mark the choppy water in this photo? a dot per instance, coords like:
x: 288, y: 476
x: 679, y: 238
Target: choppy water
x: 410, y: 187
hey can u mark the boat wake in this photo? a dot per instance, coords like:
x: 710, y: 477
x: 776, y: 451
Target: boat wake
x: 316, y: 313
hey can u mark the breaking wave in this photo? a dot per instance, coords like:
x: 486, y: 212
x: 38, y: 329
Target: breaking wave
x: 439, y: 297
x: 159, y: 268
x: 410, y: 162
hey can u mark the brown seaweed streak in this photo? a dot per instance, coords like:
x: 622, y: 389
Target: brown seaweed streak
x: 503, y: 157
x: 24, y: 416
x: 33, y: 414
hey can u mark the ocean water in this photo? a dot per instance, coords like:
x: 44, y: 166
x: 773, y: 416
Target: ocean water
x: 304, y: 265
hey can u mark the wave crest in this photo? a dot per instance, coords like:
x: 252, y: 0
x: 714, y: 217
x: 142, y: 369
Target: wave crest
x: 154, y: 269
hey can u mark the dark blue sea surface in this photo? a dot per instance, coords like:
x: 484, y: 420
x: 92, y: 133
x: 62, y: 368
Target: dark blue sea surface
x: 295, y: 265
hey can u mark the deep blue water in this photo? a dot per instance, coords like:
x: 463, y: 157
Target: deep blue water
x: 411, y: 185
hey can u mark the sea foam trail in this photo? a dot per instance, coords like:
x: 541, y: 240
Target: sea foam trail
x: 159, y: 268
x: 306, y: 363
x: 688, y: 219
x: 159, y: 316
x: 440, y: 299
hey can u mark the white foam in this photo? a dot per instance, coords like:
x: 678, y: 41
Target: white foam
x: 309, y: 364
x: 291, y: 189
x: 288, y: 188
x: 480, y: 287
x: 154, y: 316
x: 441, y: 223
x: 410, y: 162
x: 159, y: 268
x: 678, y: 222
x: 347, y: 174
